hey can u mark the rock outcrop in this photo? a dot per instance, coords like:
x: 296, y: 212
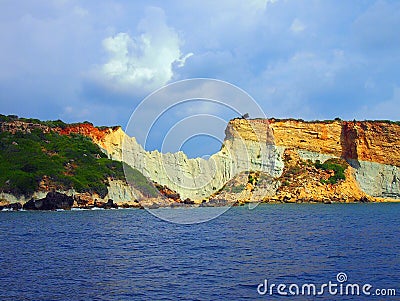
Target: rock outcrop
x: 8, y: 206
x: 23, y: 127
x: 52, y: 201
x: 119, y: 192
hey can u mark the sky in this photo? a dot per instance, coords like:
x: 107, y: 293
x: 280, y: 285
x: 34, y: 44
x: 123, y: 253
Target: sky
x: 98, y: 60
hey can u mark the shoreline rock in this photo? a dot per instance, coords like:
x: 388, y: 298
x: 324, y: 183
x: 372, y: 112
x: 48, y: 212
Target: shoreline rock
x: 52, y: 201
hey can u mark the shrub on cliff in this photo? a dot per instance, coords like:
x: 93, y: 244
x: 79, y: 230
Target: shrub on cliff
x: 72, y: 161
x: 337, y: 165
x: 139, y: 181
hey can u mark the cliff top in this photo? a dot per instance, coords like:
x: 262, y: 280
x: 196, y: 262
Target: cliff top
x: 368, y: 140
x: 54, y: 124
x: 375, y: 141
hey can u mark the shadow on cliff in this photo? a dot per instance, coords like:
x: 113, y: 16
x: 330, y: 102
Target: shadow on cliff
x: 348, y: 141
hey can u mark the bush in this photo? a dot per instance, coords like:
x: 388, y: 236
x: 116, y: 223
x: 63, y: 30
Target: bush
x: 21, y: 183
x: 252, y: 180
x: 293, y: 170
x: 139, y: 181
x: 69, y: 161
x: 337, y: 165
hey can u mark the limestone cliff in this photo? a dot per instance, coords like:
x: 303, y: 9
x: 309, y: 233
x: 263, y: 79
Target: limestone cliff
x: 371, y: 148
x: 373, y: 141
x: 197, y: 178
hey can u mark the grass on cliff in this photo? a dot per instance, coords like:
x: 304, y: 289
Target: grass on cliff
x: 139, y: 181
x: 337, y: 165
x: 49, y: 123
x: 68, y: 161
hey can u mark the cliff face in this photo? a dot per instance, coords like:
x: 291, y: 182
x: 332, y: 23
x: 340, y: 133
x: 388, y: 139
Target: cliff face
x: 97, y: 134
x: 195, y: 178
x: 318, y: 137
x: 371, y: 148
x: 251, y: 164
x: 41, y: 157
x: 366, y: 141
x: 372, y: 141
x: 301, y: 181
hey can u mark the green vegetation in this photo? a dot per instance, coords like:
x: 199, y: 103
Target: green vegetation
x: 330, y: 120
x: 337, y: 165
x: 232, y: 188
x: 139, y: 181
x: 386, y: 121
x: 67, y: 161
x: 237, y: 189
x: 49, y: 123
x: 252, y: 178
x: 8, y: 118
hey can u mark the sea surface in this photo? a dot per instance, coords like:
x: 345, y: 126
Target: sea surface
x: 133, y: 255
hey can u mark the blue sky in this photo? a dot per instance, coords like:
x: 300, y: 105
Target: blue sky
x: 96, y: 60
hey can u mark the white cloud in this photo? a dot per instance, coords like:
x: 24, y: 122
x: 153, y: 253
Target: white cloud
x: 297, y: 26
x: 181, y: 62
x: 146, y: 61
x: 259, y: 45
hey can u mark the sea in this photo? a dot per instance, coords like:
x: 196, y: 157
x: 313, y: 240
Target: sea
x: 242, y: 254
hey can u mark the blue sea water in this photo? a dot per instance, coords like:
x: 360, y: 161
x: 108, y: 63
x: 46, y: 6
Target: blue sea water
x: 133, y: 255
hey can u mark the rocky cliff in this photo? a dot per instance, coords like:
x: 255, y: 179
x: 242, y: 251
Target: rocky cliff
x: 371, y: 148
x: 373, y: 141
x: 260, y: 160
x: 118, y: 191
x: 198, y: 178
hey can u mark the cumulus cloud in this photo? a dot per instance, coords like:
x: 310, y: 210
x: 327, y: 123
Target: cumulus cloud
x: 144, y: 62
x: 296, y: 59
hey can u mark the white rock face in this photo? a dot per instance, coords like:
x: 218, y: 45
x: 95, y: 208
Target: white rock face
x: 14, y: 199
x: 196, y: 178
x: 120, y: 192
x: 377, y: 179
x: 313, y: 156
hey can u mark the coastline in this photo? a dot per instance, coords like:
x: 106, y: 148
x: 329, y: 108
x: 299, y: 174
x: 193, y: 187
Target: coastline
x: 17, y: 207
